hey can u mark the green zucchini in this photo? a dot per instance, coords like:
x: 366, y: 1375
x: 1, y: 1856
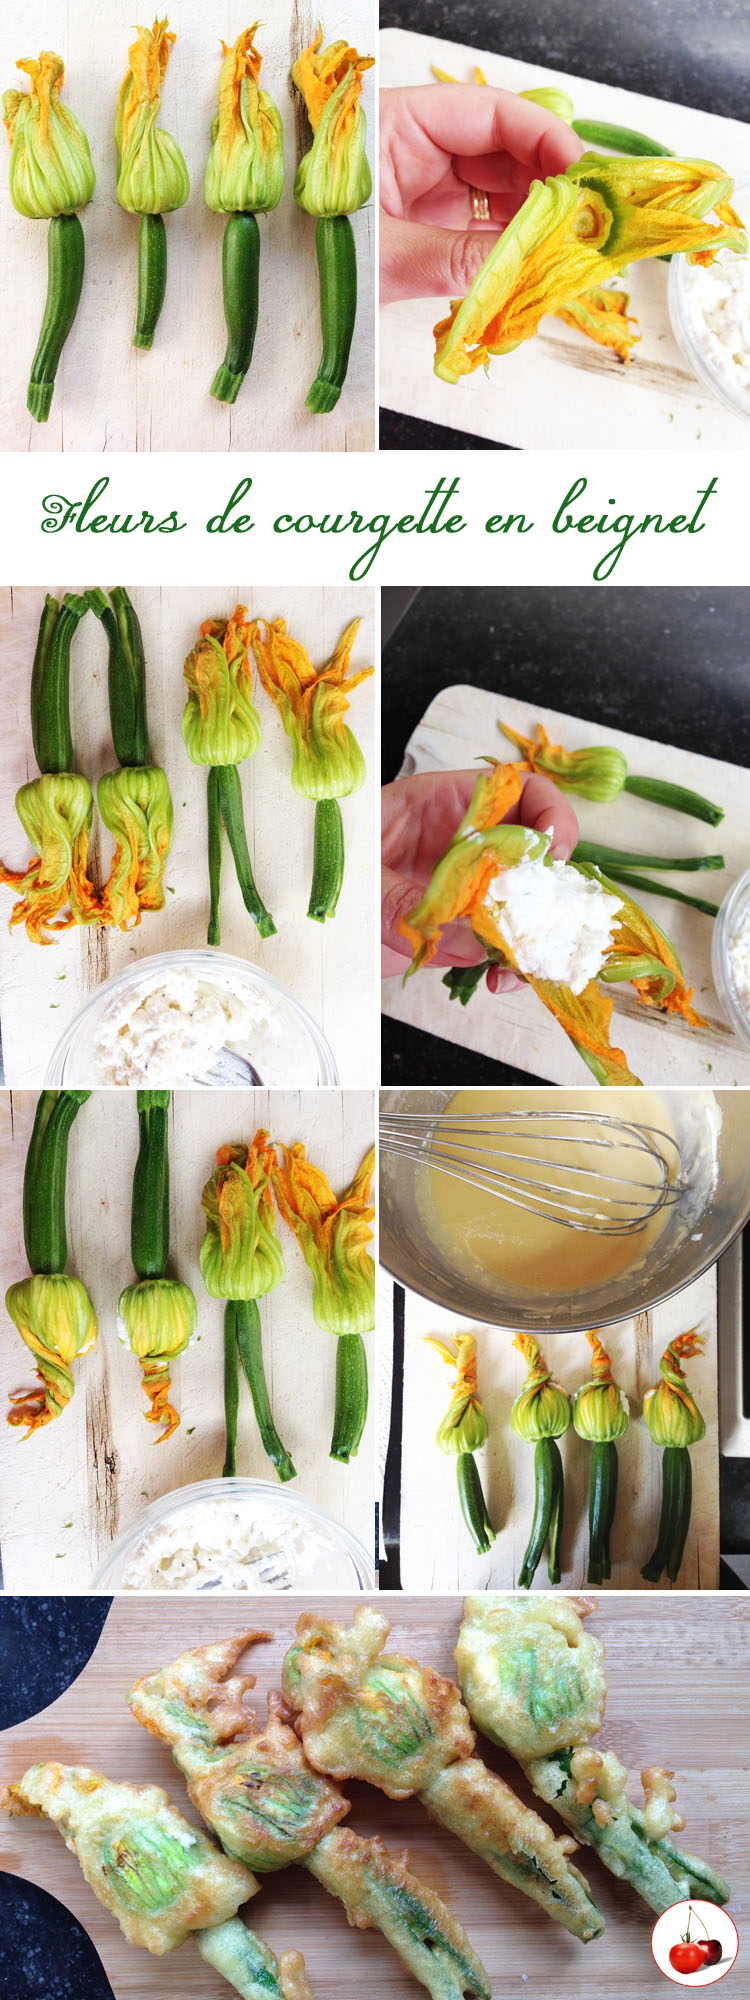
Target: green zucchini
x: 66, y: 258
x: 661, y: 793
x: 50, y: 682
x: 473, y: 1503
x: 240, y: 266
x: 619, y: 139
x: 641, y: 882
x: 622, y: 857
x: 44, y: 1179
x: 149, y: 1219
x: 230, y: 799
x: 337, y: 270
x: 350, y: 1409
x: 214, y: 855
x: 247, y: 1323
x: 231, y: 1389
x: 602, y: 1503
x: 126, y: 680
x: 547, y: 1522
x: 676, y: 1499
x: 152, y: 278
x: 328, y: 860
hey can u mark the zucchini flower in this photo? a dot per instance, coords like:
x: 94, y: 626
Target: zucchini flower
x: 160, y: 1317
x: 600, y: 1415
x: 136, y: 806
x: 573, y: 232
x: 56, y: 1319
x: 334, y: 1238
x: 462, y: 1432
x: 152, y: 177
x: 245, y: 168
x: 241, y: 1257
x: 51, y: 170
x: 334, y: 177
x: 602, y: 315
x: 601, y: 773
x: 542, y: 1414
x: 55, y: 812
x: 551, y: 99
x: 327, y: 763
x: 221, y: 724
x: 675, y: 1422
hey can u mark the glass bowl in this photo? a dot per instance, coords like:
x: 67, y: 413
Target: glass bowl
x: 306, y: 1059
x: 735, y: 906
x: 684, y: 327
x: 334, y: 1561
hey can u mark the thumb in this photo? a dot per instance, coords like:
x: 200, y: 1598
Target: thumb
x: 421, y: 263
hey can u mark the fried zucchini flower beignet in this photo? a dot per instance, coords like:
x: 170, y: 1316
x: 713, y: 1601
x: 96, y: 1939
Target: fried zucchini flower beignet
x: 364, y: 1713
x: 258, y: 1792
x: 158, y: 1875
x: 534, y: 1681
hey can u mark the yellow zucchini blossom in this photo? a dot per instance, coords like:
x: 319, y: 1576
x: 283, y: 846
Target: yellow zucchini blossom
x: 327, y: 761
x: 597, y: 773
x: 55, y: 1317
x: 152, y: 177
x: 602, y: 314
x: 333, y: 1236
x: 220, y: 723
x: 241, y: 1256
x: 543, y: 1409
x: 245, y: 171
x: 464, y: 1426
x: 600, y: 1411
x: 573, y: 232
x: 55, y: 812
x: 334, y: 177
x: 672, y: 1414
x: 51, y: 170
x: 160, y: 1317
x: 136, y: 807
x: 458, y: 888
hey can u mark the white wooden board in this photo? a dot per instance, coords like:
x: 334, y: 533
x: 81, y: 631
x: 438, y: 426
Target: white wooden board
x: 678, y: 1694
x: 328, y: 967
x: 461, y: 725
x: 559, y: 389
x: 109, y: 396
x: 67, y: 1490
x: 437, y: 1552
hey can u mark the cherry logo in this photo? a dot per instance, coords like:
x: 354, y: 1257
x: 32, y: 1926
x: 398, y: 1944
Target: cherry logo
x: 693, y: 1954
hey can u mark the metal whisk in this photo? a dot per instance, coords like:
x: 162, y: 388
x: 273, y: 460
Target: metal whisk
x: 595, y: 1197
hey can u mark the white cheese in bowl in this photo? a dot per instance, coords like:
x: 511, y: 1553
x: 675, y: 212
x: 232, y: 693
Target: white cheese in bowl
x: 557, y: 923
x: 738, y: 952
x: 238, y: 1544
x: 170, y: 1030
x: 717, y: 309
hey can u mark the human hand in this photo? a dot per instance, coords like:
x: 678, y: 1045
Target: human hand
x: 437, y: 142
x: 419, y: 817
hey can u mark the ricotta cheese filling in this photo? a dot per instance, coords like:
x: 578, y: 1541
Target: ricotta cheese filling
x: 171, y: 1030
x: 717, y: 305
x: 739, y: 962
x: 557, y: 923
x: 238, y: 1544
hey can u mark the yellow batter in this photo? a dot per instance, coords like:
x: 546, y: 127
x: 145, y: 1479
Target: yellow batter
x: 480, y: 1233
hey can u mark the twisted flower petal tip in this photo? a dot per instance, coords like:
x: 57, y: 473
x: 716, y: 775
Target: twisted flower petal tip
x: 160, y: 1316
x: 464, y: 1426
x: 51, y: 169
x: 334, y: 1237
x: 573, y: 232
x: 152, y: 177
x: 220, y: 724
x: 327, y: 761
x: 55, y: 1317
x: 600, y: 1411
x: 245, y: 170
x: 672, y: 1414
x: 241, y: 1257
x: 542, y: 1410
x: 55, y: 811
x: 334, y: 177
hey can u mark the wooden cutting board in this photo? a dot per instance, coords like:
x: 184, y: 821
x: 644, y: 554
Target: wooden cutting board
x: 109, y: 397
x: 678, y: 1694
x: 559, y: 389
x: 437, y: 1552
x: 327, y: 967
x: 460, y: 725
x: 69, y: 1489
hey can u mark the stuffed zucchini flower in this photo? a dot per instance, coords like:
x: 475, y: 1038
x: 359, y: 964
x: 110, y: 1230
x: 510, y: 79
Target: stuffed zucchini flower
x: 334, y: 1237
x: 56, y: 1319
x: 160, y: 1317
x: 463, y: 1431
x: 136, y: 806
x: 51, y: 170
x: 541, y: 1414
x: 573, y: 232
x: 241, y: 1257
x: 334, y: 177
x: 55, y: 812
x: 245, y: 168
x: 220, y: 724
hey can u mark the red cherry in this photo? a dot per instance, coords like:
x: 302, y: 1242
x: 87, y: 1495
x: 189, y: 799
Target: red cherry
x: 687, y: 1957
x: 712, y: 1951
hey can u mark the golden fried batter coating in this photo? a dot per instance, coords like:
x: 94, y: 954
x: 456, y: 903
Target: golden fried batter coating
x: 379, y: 1893
x: 532, y: 1677
x: 363, y: 1713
